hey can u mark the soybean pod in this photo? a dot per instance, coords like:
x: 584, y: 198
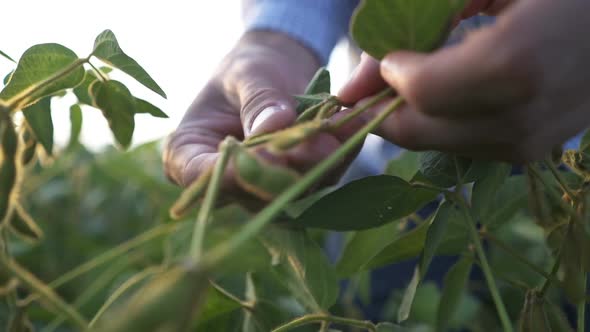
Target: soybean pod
x: 290, y: 137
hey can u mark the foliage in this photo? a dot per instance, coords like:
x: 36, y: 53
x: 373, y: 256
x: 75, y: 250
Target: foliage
x: 88, y: 244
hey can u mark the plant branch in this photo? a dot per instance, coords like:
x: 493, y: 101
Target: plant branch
x: 44, y: 291
x: 113, y: 253
x: 98, y: 72
x: 487, y: 271
x: 549, y: 163
x: 244, y: 304
x: 387, y: 92
x: 556, y: 264
x: 16, y: 102
x: 253, y: 226
x: 132, y: 281
x: 226, y: 147
x: 320, y: 318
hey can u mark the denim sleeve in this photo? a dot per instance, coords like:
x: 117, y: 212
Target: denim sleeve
x: 318, y: 24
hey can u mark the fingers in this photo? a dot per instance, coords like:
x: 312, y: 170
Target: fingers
x: 265, y: 106
x: 192, y: 148
x: 364, y: 81
x: 490, y: 70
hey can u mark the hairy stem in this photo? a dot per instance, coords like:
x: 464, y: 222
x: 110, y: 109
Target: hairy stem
x: 44, y: 291
x: 253, y: 226
x: 549, y: 163
x: 17, y: 101
x: 320, y: 318
x: 210, y: 199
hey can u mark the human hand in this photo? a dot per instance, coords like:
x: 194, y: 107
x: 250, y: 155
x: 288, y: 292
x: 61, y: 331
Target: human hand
x: 250, y: 93
x: 510, y: 91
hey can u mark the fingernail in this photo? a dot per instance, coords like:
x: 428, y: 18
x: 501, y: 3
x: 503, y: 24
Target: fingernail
x: 264, y: 115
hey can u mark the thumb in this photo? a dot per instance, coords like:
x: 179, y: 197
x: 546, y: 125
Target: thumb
x: 266, y: 109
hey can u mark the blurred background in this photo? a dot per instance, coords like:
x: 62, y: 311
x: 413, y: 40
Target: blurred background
x: 179, y: 43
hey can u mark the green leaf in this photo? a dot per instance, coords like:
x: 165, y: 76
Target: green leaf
x: 6, y: 56
x: 408, y: 298
x: 404, y: 166
x: 75, y: 124
x: 405, y: 246
x: 320, y: 83
x: 38, y: 117
x: 381, y: 26
x: 216, y: 305
x: 143, y: 106
x: 363, y: 246
x: 435, y: 235
x: 585, y: 142
x: 411, y: 244
x: 36, y: 65
x: 355, y: 207
x: 82, y: 91
x: 485, y: 189
x: 107, y: 49
x: 301, y: 266
x: 118, y: 107
x: 454, y: 287
x: 511, y: 197
x: 7, y: 77
x: 307, y: 101
x: 439, y: 168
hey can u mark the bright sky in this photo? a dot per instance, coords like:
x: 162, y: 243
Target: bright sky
x: 178, y: 42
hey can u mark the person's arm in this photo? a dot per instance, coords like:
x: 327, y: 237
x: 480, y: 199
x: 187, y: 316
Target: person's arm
x: 511, y: 91
x: 317, y: 24
x: 251, y: 91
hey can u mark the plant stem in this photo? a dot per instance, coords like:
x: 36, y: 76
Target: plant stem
x: 244, y: 304
x: 113, y: 253
x: 315, y: 318
x: 97, y: 285
x: 132, y: 281
x: 98, y: 72
x: 226, y: 147
x: 253, y: 226
x: 556, y: 264
x: 16, y: 102
x: 370, y: 103
x: 37, y: 286
x: 497, y: 242
x: 549, y: 163
x: 487, y: 271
